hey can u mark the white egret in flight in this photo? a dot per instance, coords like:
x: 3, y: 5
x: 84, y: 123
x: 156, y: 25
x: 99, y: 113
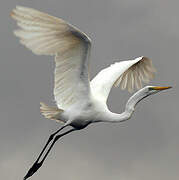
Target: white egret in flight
x: 79, y: 101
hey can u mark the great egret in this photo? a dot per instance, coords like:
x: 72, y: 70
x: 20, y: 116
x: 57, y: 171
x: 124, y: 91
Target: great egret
x: 79, y: 101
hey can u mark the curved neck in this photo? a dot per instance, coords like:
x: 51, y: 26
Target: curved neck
x: 129, y: 109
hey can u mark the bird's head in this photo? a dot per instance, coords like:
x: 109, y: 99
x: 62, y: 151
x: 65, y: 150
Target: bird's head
x: 149, y: 90
x: 143, y: 93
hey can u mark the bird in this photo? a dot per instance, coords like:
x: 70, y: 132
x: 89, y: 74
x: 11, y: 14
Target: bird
x: 80, y: 101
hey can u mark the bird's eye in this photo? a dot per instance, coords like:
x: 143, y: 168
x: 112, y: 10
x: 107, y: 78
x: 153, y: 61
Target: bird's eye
x: 151, y: 89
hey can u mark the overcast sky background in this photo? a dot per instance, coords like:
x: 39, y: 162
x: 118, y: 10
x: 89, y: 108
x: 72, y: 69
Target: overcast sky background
x: 144, y: 148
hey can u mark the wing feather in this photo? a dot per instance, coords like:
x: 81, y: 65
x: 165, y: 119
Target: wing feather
x: 128, y: 74
x: 48, y: 35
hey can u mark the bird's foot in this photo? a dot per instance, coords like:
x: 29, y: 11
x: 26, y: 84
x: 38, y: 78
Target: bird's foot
x: 33, y: 169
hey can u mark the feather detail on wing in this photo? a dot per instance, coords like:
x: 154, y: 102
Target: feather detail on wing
x: 128, y: 74
x: 48, y: 35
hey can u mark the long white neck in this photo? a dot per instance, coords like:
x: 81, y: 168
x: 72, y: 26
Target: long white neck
x: 129, y: 109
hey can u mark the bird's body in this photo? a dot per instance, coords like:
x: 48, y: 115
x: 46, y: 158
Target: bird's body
x: 79, y: 101
x: 87, y: 113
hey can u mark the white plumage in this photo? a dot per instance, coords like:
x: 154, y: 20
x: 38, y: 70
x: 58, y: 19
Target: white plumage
x: 48, y: 35
x: 79, y: 101
x: 128, y: 74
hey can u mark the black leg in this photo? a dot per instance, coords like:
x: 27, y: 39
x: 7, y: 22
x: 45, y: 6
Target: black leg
x: 37, y: 164
x: 54, y: 141
x: 49, y: 140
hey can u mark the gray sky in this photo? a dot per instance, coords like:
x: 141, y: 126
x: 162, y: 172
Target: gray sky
x: 146, y: 147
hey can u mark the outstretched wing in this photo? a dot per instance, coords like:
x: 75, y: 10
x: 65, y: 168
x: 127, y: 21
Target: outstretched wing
x: 48, y: 35
x: 127, y: 74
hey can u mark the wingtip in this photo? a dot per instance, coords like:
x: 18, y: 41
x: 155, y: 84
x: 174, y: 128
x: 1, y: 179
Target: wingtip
x: 12, y: 13
x: 140, y: 58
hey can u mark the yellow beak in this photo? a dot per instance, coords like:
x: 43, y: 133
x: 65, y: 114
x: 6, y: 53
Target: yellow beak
x: 160, y: 88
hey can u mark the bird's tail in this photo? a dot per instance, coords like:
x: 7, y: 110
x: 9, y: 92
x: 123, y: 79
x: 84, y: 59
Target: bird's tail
x: 50, y: 112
